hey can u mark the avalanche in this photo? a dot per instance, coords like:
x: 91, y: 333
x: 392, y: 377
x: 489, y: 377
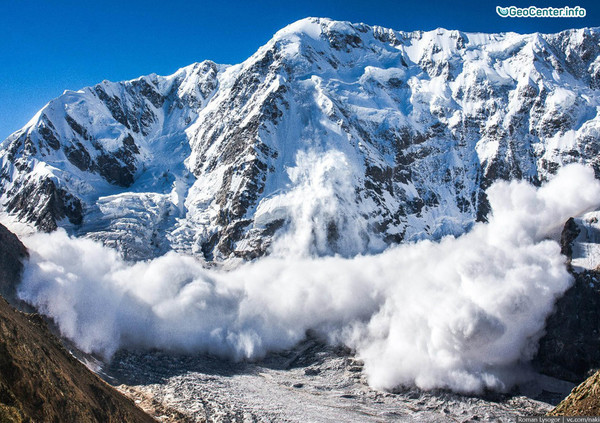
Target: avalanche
x: 464, y: 313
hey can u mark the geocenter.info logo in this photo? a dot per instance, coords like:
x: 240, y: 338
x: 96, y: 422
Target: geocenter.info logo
x: 540, y: 12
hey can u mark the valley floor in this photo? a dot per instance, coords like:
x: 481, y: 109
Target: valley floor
x: 312, y: 383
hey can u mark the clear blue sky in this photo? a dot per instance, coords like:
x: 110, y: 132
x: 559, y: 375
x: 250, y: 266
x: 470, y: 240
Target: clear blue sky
x: 47, y: 46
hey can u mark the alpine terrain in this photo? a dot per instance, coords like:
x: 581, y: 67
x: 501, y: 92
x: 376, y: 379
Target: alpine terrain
x: 337, y: 151
x: 345, y: 137
x: 40, y: 381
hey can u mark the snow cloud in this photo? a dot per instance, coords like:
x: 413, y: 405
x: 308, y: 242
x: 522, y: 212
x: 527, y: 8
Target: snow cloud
x: 462, y: 313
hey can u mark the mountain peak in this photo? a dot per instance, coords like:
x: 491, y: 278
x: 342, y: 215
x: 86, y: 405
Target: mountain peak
x: 311, y: 26
x: 317, y: 28
x: 418, y: 123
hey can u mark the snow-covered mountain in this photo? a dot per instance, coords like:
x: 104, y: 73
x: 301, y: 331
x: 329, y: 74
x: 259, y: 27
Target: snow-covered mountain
x: 333, y: 138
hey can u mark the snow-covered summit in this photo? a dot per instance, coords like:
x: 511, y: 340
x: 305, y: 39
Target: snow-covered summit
x: 333, y: 138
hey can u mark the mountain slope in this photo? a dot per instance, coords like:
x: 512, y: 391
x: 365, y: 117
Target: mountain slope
x: 584, y: 400
x: 341, y: 137
x: 39, y: 380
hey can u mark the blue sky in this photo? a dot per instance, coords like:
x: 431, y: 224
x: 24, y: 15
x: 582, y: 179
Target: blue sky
x: 47, y: 46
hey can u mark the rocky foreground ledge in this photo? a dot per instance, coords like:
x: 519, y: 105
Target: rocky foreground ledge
x: 40, y: 381
x: 584, y: 400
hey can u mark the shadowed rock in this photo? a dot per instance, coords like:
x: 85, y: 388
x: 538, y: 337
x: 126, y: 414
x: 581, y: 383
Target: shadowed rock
x: 40, y: 381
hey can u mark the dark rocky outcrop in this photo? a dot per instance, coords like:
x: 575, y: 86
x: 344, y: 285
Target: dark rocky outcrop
x: 570, y: 349
x: 571, y: 346
x: 44, y: 204
x: 40, y: 381
x: 568, y: 235
x: 12, y: 254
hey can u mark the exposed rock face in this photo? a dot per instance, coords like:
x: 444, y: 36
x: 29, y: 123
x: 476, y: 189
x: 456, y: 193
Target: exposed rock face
x: 567, y: 236
x: 369, y: 135
x: 583, y: 401
x: 40, y: 381
x: 43, y: 204
x: 571, y: 345
x: 12, y: 254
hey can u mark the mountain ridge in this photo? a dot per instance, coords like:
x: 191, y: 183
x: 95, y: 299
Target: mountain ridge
x: 392, y: 136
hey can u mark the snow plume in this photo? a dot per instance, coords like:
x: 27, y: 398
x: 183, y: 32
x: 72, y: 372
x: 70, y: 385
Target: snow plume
x: 462, y: 313
x: 323, y: 190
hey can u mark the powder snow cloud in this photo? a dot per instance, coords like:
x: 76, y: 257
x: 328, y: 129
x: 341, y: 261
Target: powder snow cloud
x: 462, y: 313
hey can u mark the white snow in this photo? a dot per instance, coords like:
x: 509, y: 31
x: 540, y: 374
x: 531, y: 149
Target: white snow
x: 461, y: 314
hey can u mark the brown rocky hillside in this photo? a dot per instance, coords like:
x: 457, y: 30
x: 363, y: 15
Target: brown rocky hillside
x: 40, y: 381
x: 584, y: 400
